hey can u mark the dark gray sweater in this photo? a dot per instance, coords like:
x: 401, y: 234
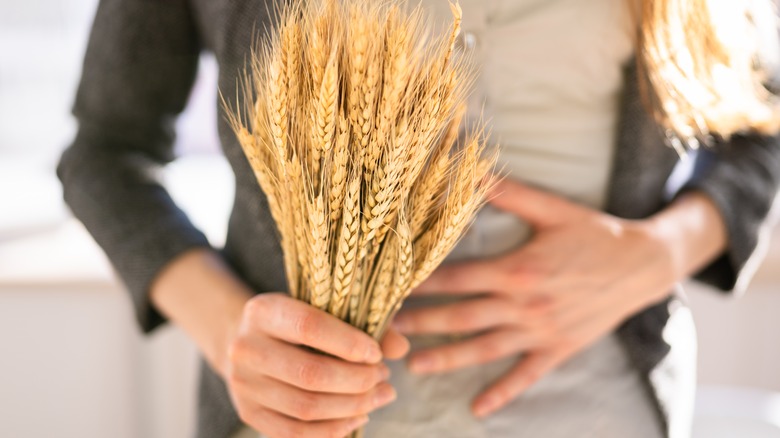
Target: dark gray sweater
x: 138, y: 71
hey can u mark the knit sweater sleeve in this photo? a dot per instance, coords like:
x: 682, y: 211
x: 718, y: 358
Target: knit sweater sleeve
x: 742, y: 177
x: 138, y: 70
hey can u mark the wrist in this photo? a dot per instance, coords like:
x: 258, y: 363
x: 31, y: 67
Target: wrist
x: 691, y: 232
x: 200, y: 294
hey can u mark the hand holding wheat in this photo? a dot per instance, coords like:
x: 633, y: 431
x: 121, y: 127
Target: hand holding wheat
x: 351, y: 122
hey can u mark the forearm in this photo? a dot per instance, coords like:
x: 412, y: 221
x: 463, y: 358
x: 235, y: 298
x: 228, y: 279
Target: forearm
x: 693, y: 231
x: 200, y: 294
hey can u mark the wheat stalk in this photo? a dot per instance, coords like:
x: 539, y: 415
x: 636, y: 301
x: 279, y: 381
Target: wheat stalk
x: 350, y: 118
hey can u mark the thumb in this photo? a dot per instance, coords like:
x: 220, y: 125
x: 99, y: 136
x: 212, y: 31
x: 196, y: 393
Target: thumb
x: 537, y: 207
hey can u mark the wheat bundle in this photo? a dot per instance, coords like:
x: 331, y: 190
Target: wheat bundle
x: 350, y: 120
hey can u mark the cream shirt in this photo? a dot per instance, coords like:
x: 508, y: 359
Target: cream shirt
x: 550, y: 77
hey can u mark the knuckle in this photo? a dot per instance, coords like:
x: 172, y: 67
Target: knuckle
x: 305, y: 325
x: 237, y: 351
x: 367, y: 379
x: 257, y: 306
x: 519, y: 313
x: 491, y: 348
x: 355, y: 347
x: 305, y: 408
x: 546, y: 332
x: 309, y: 374
x: 463, y: 317
x: 524, y: 276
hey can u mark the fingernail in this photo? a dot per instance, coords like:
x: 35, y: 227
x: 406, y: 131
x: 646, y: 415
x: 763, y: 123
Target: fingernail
x: 384, y: 395
x: 357, y: 422
x: 373, y: 354
x: 485, y: 406
x: 422, y: 364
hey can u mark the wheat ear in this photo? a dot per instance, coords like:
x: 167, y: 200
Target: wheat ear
x: 318, y: 254
x: 346, y: 251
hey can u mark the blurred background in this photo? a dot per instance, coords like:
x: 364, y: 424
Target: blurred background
x: 72, y: 361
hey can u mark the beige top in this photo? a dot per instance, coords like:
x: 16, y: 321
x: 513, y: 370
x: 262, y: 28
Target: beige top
x: 550, y: 77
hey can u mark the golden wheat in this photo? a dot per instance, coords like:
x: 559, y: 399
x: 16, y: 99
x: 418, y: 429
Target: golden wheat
x: 351, y: 121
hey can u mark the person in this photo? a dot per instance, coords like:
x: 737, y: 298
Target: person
x: 575, y: 329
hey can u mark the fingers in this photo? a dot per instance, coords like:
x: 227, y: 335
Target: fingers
x: 394, y: 344
x: 464, y: 278
x: 303, y: 369
x: 465, y: 316
x: 299, y: 323
x: 305, y: 405
x: 276, y: 425
x: 475, y: 351
x: 528, y: 371
x: 537, y: 207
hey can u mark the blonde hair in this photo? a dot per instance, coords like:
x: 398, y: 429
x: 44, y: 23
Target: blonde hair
x: 702, y: 69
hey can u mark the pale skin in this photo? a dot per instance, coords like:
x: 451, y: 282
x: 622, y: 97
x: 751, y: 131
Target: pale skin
x: 580, y: 276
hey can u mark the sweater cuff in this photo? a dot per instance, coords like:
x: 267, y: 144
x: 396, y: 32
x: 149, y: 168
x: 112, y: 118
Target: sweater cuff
x: 744, y: 201
x: 145, y: 258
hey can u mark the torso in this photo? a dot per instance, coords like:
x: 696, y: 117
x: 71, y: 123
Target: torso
x: 550, y: 79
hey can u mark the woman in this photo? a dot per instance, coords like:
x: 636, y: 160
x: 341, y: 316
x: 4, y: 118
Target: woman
x: 576, y: 329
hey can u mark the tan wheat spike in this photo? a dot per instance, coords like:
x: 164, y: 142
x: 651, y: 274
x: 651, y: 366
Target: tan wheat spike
x: 368, y: 100
x: 431, y: 185
x: 400, y: 287
x: 277, y: 87
x: 388, y: 184
x: 296, y: 217
x: 291, y: 50
x: 457, y: 14
x: 356, y: 294
x: 318, y: 50
x: 318, y: 254
x: 358, y: 56
x: 467, y: 192
x: 325, y: 114
x: 346, y: 251
x: 339, y: 172
x: 379, y: 292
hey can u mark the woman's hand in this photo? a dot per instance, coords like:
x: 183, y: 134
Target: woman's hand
x: 263, y: 346
x: 282, y: 388
x: 577, y: 279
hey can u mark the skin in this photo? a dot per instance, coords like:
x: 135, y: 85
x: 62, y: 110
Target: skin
x: 582, y: 274
x: 262, y: 347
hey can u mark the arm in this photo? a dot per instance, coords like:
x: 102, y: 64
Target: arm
x: 581, y: 275
x: 741, y: 177
x: 139, y: 67
x: 256, y: 343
